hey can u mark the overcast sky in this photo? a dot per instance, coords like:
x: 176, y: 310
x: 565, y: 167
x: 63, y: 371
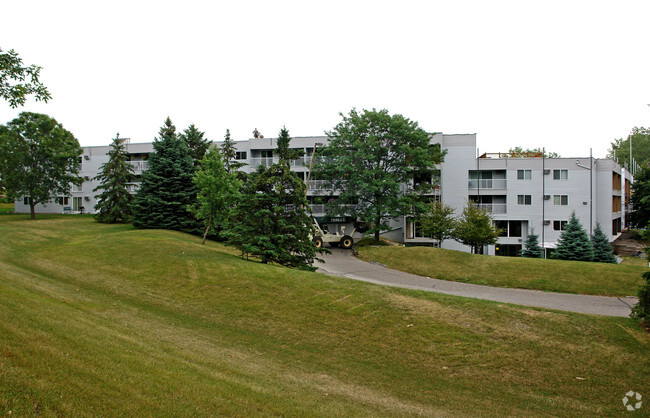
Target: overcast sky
x: 565, y: 75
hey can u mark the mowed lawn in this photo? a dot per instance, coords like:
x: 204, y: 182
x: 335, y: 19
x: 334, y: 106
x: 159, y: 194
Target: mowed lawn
x: 108, y: 320
x: 6, y: 208
x: 517, y: 272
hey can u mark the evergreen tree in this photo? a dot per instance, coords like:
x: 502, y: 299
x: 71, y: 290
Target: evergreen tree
x: 114, y: 202
x: 642, y: 308
x: 438, y: 222
x: 531, y: 246
x: 272, y: 218
x: 574, y: 244
x: 641, y: 199
x: 218, y: 191
x: 167, y: 188
x: 229, y: 153
x: 603, y: 252
x: 475, y: 228
x: 195, y: 142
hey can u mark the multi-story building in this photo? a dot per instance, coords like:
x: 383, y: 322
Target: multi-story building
x: 523, y: 192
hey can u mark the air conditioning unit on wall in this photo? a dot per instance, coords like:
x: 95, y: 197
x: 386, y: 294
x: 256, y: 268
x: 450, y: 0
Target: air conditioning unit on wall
x: 547, y: 171
x: 547, y: 197
x: 86, y: 157
x: 547, y: 222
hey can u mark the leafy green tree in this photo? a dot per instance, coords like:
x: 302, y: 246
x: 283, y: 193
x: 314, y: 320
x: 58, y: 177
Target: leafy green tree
x: 17, y: 81
x: 620, y: 148
x: 475, y: 228
x: 114, y: 202
x: 642, y: 308
x: 438, y: 222
x: 370, y: 161
x: 574, y: 243
x: 39, y: 159
x: 272, y: 219
x: 521, y: 151
x: 603, y: 252
x: 640, y: 216
x: 218, y: 190
x: 229, y: 153
x: 167, y: 188
x: 531, y: 246
x: 196, y: 144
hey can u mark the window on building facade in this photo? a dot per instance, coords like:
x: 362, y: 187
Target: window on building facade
x: 503, y: 228
x: 514, y: 228
x: 62, y: 200
x: 77, y: 188
x: 524, y: 174
x: 560, y: 199
x: 559, y: 225
x: 240, y: 155
x: 524, y: 199
x: 560, y: 174
x: 25, y: 200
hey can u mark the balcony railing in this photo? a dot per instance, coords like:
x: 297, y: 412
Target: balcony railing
x: 487, y: 184
x: 267, y: 161
x: 495, y: 208
x: 319, y: 185
x: 139, y: 166
x: 321, y: 209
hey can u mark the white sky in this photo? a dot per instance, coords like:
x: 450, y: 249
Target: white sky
x: 565, y: 75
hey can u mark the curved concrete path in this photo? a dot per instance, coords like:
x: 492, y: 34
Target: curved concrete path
x: 344, y: 264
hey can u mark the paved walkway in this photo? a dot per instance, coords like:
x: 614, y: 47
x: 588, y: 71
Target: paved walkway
x: 342, y: 263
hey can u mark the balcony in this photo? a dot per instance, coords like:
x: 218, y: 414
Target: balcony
x: 267, y: 161
x: 325, y: 185
x: 139, y: 166
x: 494, y: 208
x: 488, y: 184
x: 321, y: 209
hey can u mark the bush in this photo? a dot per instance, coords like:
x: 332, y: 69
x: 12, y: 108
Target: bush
x: 642, y: 309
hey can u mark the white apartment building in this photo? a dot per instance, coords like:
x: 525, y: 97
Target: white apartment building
x: 522, y: 193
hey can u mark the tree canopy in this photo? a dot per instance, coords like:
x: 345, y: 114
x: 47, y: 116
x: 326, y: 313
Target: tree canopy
x: 438, y: 222
x: 196, y: 144
x: 641, y: 199
x: 167, y: 188
x: 620, y: 148
x: 17, y: 81
x: 39, y: 159
x: 522, y: 152
x: 370, y: 162
x: 475, y: 228
x: 114, y: 202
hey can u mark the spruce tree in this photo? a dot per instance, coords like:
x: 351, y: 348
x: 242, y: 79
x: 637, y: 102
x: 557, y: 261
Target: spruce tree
x: 603, y: 252
x: 195, y: 142
x: 574, y: 243
x: 229, y: 153
x: 115, y: 200
x: 272, y: 218
x: 167, y: 189
x: 531, y: 246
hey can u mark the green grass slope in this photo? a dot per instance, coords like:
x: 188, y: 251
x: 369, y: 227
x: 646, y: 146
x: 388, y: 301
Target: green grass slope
x: 107, y: 320
x: 517, y: 272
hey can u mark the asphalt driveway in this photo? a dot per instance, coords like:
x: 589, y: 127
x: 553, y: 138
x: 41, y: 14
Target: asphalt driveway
x: 344, y: 264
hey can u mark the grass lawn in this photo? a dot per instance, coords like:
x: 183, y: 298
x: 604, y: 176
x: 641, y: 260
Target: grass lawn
x: 525, y: 273
x: 108, y: 320
x: 6, y: 208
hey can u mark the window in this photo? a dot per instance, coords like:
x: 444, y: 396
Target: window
x: 267, y: 153
x: 524, y: 199
x: 503, y: 228
x: 560, y: 174
x: 77, y: 188
x: 559, y: 225
x: 62, y: 200
x: 514, y: 229
x: 240, y: 155
x: 25, y: 200
x: 560, y: 199
x: 524, y: 174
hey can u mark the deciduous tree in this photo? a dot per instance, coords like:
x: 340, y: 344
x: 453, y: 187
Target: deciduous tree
x: 39, y: 159
x: 620, y: 148
x: 17, y: 81
x: 475, y: 228
x: 114, y: 202
x: 218, y: 190
x: 168, y: 187
x: 438, y: 222
x: 641, y: 199
x: 574, y: 243
x: 370, y: 161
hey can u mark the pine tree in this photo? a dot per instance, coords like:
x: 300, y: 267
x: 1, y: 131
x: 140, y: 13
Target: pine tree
x: 114, y: 202
x: 195, y: 142
x: 272, y: 218
x: 229, y: 153
x: 574, y: 244
x: 603, y: 252
x: 218, y: 191
x: 531, y: 246
x: 167, y: 188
